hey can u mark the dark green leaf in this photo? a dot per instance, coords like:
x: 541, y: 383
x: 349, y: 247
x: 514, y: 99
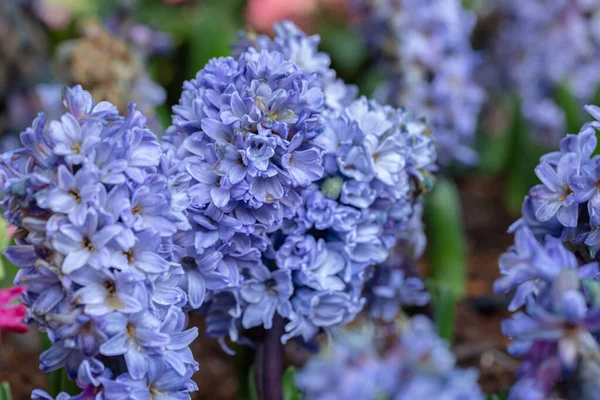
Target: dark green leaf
x: 212, y: 35
x: 571, y: 106
x: 503, y: 395
x: 494, y: 137
x: 524, y: 157
x: 252, y: 393
x: 345, y: 46
x: 10, y: 271
x: 448, y: 253
x: 5, y: 393
x: 290, y: 391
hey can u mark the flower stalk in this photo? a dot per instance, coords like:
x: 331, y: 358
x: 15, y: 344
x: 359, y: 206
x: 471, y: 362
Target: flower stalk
x: 269, y: 363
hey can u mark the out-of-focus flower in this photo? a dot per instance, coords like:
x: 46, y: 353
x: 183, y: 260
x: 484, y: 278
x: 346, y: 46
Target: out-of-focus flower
x: 23, y: 62
x: 58, y: 14
x: 12, y: 315
x: 526, y: 59
x: 303, y: 50
x: 410, y: 362
x: 109, y: 68
x: 263, y: 14
x: 429, y: 64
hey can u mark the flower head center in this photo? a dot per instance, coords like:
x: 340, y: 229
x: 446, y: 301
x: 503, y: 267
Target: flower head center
x: 76, y: 147
x: 87, y: 244
x: 74, y: 193
x: 271, y: 285
x: 566, y: 193
x: 189, y: 262
x: 130, y: 330
x: 137, y: 209
x: 129, y: 255
x: 110, y: 287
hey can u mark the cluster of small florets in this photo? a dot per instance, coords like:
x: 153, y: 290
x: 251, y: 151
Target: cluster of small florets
x: 553, y: 270
x: 291, y: 200
x: 403, y: 363
x: 303, y: 50
x: 526, y: 56
x: 95, y: 206
x: 375, y: 160
x: 429, y: 65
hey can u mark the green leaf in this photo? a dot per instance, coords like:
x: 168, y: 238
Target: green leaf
x: 252, y: 393
x: 290, y: 391
x: 503, y: 395
x: 344, y: 44
x: 448, y: 253
x: 571, y: 106
x: 243, y: 362
x: 525, y: 154
x: 213, y: 33
x: 472, y: 4
x: 9, y: 271
x: 494, y: 139
x: 5, y: 393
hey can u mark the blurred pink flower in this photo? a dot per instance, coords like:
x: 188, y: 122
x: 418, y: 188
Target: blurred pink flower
x: 262, y: 14
x: 10, y: 231
x: 11, y: 315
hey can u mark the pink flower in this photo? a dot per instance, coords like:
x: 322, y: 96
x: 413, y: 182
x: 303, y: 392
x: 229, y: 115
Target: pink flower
x: 262, y: 14
x: 11, y: 316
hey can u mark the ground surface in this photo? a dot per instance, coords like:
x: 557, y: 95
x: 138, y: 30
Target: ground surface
x: 479, y: 342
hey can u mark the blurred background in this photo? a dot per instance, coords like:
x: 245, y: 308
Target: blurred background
x: 499, y: 83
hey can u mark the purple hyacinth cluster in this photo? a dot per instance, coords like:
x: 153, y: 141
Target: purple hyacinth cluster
x: 403, y: 363
x: 303, y: 50
x: 553, y: 271
x: 376, y: 160
x: 542, y: 45
x: 429, y: 65
x: 292, y: 201
x: 96, y: 204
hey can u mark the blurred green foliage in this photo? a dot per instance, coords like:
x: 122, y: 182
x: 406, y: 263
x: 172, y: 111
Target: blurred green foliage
x: 5, y: 393
x: 447, y: 253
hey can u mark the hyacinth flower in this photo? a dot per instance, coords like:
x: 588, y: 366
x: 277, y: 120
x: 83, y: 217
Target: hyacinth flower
x: 553, y: 271
x: 409, y: 361
x: 525, y: 58
x: 95, y: 255
x: 302, y: 49
x: 429, y: 66
x: 294, y: 199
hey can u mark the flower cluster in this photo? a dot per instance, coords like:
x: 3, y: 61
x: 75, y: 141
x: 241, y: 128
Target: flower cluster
x: 553, y: 271
x: 11, y: 316
x: 96, y: 204
x: 429, y: 63
x: 292, y: 200
x: 527, y: 60
x: 409, y: 362
x: 376, y: 160
x: 303, y: 50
